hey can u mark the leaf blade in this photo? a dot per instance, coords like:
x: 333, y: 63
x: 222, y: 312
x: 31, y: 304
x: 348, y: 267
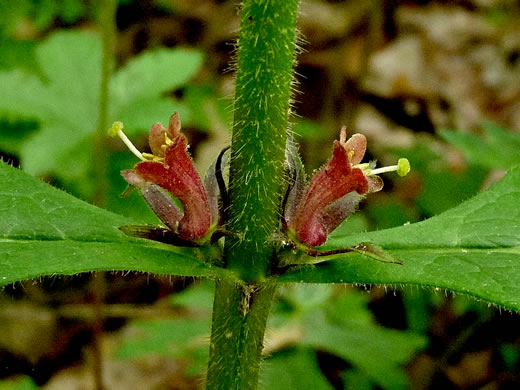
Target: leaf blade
x: 152, y: 73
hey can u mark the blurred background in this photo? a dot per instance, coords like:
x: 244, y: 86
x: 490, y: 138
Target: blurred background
x: 437, y: 82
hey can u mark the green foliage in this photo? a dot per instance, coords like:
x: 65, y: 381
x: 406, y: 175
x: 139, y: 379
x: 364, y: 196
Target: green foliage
x: 18, y: 54
x: 179, y: 338
x: 341, y: 324
x: 293, y: 369
x: 18, y: 383
x: 442, y: 187
x: 65, y: 101
x: 41, y: 13
x: 320, y: 318
x: 205, y: 108
x: 45, y: 231
x: 473, y: 249
x: 183, y: 338
x: 309, y: 130
x: 498, y: 148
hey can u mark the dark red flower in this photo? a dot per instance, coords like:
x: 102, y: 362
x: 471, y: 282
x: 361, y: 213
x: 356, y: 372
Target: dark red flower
x: 333, y: 193
x: 170, y: 168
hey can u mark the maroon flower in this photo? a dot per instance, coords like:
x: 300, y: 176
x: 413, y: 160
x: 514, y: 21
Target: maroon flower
x: 333, y: 193
x: 310, y: 214
x: 167, y: 172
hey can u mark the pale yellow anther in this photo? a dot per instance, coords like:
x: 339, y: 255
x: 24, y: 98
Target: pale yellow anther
x: 351, y: 154
x: 152, y: 157
x: 363, y: 167
x: 167, y: 140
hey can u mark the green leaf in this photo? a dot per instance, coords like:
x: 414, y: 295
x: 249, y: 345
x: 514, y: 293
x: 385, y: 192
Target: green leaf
x: 39, y: 156
x: 198, y: 296
x: 293, y: 369
x: 378, y: 352
x: 141, y: 115
x: 65, y: 100
x: 18, y: 383
x: 497, y: 149
x: 154, y: 72
x: 44, y: 231
x: 33, y: 100
x: 13, y: 132
x: 342, y: 324
x: 71, y: 62
x: 17, y: 53
x: 473, y: 249
x: 167, y: 337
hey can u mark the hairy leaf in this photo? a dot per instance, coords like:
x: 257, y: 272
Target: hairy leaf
x: 44, y: 231
x: 473, y: 249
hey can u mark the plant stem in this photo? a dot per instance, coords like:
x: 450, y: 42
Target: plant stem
x: 261, y: 109
x: 262, y: 104
x: 106, y: 20
x: 240, y: 314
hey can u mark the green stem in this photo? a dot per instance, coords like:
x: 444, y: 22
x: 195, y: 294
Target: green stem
x: 240, y: 314
x: 262, y: 100
x: 262, y: 104
x: 106, y: 18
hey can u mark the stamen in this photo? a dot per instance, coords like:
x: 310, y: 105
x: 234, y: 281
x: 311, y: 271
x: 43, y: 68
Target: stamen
x: 117, y: 129
x: 363, y: 166
x: 391, y: 168
x: 152, y: 157
x: 402, y: 168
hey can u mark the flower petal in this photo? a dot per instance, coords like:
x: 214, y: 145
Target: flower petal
x: 332, y: 182
x: 179, y: 177
x: 163, y: 206
x: 339, y: 210
x: 156, y: 139
x: 158, y: 134
x: 356, y: 147
x: 158, y: 199
x: 375, y: 184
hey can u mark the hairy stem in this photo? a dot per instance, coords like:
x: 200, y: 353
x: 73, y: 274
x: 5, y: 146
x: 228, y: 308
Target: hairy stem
x: 262, y: 104
x: 240, y: 314
x: 261, y: 109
